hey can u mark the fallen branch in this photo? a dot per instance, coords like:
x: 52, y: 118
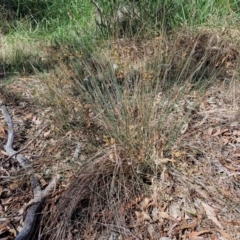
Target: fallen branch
x: 25, y: 147
x: 39, y: 194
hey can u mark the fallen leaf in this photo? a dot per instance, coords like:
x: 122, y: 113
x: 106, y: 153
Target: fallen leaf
x: 234, y: 124
x: 174, y: 210
x: 13, y: 186
x: 20, y: 211
x: 164, y: 215
x: 28, y: 116
x: 145, y: 203
x: 4, y: 153
x: 13, y: 231
x: 151, y: 231
x: 154, y: 214
x: 196, y: 238
x: 43, y: 182
x: 211, y: 214
x: 225, y: 140
x: 235, y: 223
x: 142, y: 216
x: 6, y: 201
x: 224, y: 234
x: 178, y: 154
x: 46, y: 134
x: 218, y: 132
x: 159, y: 161
x: 195, y: 235
x: 36, y: 120
x: 184, y: 128
x: 3, y: 226
x: 2, y: 131
x: 210, y: 131
x: 5, y: 238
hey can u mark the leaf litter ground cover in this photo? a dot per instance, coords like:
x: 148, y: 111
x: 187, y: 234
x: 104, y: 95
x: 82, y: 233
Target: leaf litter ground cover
x: 34, y: 130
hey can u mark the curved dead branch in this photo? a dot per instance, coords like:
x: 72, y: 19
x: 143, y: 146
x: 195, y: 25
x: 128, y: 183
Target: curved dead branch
x: 39, y: 194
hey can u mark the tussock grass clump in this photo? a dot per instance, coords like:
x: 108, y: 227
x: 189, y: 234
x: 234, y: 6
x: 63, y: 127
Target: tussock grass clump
x: 141, y: 107
x: 114, y: 184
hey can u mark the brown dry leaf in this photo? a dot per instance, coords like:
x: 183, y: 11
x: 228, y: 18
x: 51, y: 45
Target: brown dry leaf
x: 178, y: 154
x: 57, y: 155
x: 234, y: 124
x: 28, y: 116
x: 4, y: 153
x: 4, y: 171
x: 214, y: 237
x: 195, y: 235
x: 196, y: 238
x: 159, y: 161
x: 151, y: 231
x: 141, y: 216
x: 164, y: 215
x: 235, y: 133
x: 13, y: 186
x: 231, y: 167
x: 211, y: 214
x: 6, y: 201
x: 46, y: 134
x: 2, y: 131
x: 20, y: 211
x: 3, y: 226
x: 145, y: 203
x: 174, y: 210
x: 218, y: 132
x: 6, y: 238
x: 235, y: 223
x: 13, y: 231
x: 184, y: 128
x: 224, y: 234
x: 210, y: 131
x: 43, y: 182
x: 1, y: 191
x: 154, y: 214
x: 53, y: 142
x: 36, y: 120
x: 225, y: 140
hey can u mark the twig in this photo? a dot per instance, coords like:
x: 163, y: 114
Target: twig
x: 38, y: 194
x: 25, y: 147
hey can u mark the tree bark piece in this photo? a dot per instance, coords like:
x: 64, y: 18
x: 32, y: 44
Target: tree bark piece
x: 34, y: 210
